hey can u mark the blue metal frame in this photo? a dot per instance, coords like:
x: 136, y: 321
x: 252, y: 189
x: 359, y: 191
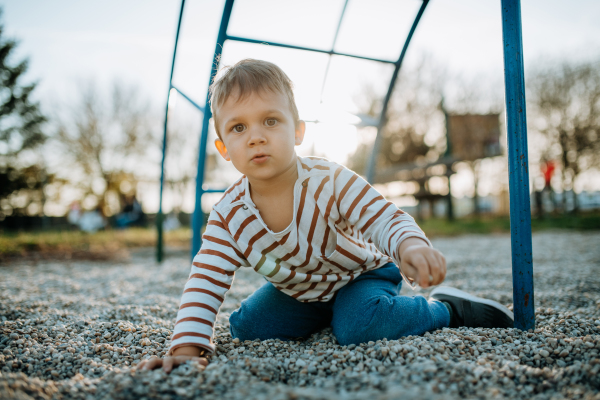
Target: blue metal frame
x: 518, y: 171
x: 159, y: 216
x: 520, y: 212
x: 289, y: 46
x: 388, y: 96
x: 198, y: 217
x: 192, y: 102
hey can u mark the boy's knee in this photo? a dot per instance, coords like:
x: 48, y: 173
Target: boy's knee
x: 362, y: 324
x: 347, y: 335
x: 352, y: 331
x: 239, y: 328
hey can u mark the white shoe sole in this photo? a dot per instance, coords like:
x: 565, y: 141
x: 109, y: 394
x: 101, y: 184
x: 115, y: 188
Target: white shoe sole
x: 450, y: 291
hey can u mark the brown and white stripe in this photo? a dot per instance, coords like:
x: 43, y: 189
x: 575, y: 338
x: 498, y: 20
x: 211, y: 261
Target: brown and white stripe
x: 342, y: 228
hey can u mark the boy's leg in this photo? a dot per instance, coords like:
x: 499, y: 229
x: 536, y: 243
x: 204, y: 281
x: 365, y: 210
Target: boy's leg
x: 271, y: 314
x: 370, y: 308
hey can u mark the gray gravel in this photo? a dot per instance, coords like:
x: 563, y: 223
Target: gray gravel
x: 75, y: 329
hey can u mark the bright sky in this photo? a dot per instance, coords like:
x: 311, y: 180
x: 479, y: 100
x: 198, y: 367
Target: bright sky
x: 70, y: 41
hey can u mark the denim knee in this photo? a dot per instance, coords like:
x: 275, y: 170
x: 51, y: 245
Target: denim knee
x: 238, y: 328
x: 355, y: 330
x: 351, y: 334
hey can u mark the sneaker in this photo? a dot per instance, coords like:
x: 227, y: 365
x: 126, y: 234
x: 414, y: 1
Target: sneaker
x: 472, y: 311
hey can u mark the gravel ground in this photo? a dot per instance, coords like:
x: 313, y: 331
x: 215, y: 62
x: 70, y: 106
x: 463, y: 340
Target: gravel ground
x: 75, y: 329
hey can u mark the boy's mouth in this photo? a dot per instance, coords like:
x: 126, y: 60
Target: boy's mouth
x: 260, y: 158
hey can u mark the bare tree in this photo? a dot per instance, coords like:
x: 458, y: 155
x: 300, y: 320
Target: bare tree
x: 474, y: 95
x: 424, y: 97
x: 106, y: 141
x: 564, y: 99
x: 415, y: 122
x: 181, y: 162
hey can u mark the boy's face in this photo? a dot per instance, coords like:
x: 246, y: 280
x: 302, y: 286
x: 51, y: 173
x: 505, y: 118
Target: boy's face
x: 258, y: 134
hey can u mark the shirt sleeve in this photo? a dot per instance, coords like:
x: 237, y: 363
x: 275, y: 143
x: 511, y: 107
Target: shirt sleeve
x: 377, y: 219
x: 210, y: 278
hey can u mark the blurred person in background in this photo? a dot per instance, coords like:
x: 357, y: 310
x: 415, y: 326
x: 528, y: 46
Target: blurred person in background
x: 132, y: 214
x: 92, y: 221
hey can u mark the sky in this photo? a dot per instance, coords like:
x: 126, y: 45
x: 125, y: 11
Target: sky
x: 69, y: 42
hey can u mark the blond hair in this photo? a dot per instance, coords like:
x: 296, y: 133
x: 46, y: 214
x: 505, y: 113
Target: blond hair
x: 250, y: 76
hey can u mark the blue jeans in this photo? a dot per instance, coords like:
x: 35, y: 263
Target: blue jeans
x: 368, y: 308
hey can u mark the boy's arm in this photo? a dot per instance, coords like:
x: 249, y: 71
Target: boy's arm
x: 377, y: 219
x: 210, y: 278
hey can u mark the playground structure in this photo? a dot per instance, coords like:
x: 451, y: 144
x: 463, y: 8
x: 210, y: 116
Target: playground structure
x: 520, y: 213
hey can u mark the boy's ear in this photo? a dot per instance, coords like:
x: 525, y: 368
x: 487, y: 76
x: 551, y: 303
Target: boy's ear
x: 300, y: 129
x: 222, y: 149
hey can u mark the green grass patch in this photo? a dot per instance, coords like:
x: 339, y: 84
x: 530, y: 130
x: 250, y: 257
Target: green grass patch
x: 489, y: 224
x: 114, y: 243
x: 75, y: 244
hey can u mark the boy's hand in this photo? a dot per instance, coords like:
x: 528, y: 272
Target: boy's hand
x: 421, y: 263
x: 180, y: 356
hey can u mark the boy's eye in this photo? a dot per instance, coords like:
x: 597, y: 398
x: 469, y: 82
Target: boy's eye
x: 238, y: 128
x: 271, y: 122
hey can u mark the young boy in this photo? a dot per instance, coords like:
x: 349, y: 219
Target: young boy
x: 333, y: 250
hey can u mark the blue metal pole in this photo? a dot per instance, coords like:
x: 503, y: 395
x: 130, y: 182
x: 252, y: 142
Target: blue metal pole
x: 198, y: 217
x: 159, y: 216
x: 383, y: 116
x: 516, y: 122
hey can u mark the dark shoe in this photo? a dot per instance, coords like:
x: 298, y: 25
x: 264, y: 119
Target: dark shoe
x: 472, y: 311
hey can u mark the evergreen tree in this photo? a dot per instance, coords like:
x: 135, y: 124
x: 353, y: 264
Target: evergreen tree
x: 21, y: 122
x: 20, y: 118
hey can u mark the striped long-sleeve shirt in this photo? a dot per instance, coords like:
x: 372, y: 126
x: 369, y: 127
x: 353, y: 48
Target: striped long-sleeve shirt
x: 341, y: 228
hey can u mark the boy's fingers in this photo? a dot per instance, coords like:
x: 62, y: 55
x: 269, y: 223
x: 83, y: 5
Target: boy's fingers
x: 408, y: 270
x: 203, y: 361
x: 422, y: 267
x: 153, y: 363
x: 435, y: 269
x: 180, y: 360
x: 144, y: 364
x: 438, y: 267
x: 411, y: 272
x: 168, y: 364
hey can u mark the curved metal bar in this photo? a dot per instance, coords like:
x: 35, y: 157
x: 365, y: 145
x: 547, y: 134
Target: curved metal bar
x: 518, y: 161
x: 386, y: 101
x: 198, y: 217
x: 337, y: 32
x: 192, y: 102
x: 159, y: 216
x: 290, y: 46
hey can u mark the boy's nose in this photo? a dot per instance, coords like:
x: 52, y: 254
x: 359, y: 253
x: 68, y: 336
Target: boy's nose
x: 256, y: 137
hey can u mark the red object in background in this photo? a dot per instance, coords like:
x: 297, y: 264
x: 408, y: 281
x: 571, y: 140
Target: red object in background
x: 548, y: 170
